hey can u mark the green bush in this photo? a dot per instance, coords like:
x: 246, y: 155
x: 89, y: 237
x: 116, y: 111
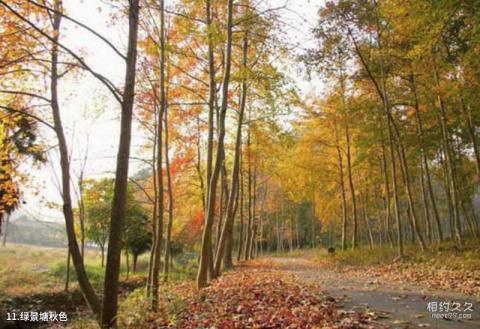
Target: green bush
x: 134, y: 310
x: 94, y: 273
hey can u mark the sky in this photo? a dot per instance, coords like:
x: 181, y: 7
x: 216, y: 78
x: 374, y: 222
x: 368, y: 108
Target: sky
x: 91, y: 114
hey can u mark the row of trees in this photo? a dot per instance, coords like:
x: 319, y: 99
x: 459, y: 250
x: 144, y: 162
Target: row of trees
x: 36, y: 43
x: 208, y: 76
x: 196, y: 76
x: 389, y: 151
x: 394, y: 140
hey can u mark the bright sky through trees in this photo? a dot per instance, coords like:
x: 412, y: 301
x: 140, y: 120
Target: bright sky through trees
x: 91, y: 122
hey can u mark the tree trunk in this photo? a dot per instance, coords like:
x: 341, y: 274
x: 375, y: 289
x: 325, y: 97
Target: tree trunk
x: 450, y: 164
x: 253, y: 209
x: 250, y: 215
x: 206, y: 254
x: 313, y: 214
x: 230, y: 212
x: 134, y: 265
x: 474, y: 216
x: 352, y: 189
x: 371, y: 241
x: 426, y: 211
x: 212, y: 104
x: 411, y: 205
x: 110, y: 300
x: 470, y: 223
x: 85, y: 286
x: 467, y: 112
x: 5, y: 231
x: 151, y: 262
x: 198, y: 164
x: 81, y: 208
x: 299, y: 241
x: 127, y: 260
x: 241, y: 235
x: 388, y: 225
x: 168, y: 238
x: 290, y: 240
x: 261, y: 217
x: 67, y: 279
x: 223, y: 202
x: 157, y: 248
x: 381, y: 89
x: 279, y: 234
x: 395, y: 192
x: 342, y: 187
x: 220, y: 215
x: 228, y: 258
x: 448, y: 197
x: 425, y: 164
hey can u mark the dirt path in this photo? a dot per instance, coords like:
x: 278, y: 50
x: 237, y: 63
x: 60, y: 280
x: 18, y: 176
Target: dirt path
x: 398, y: 305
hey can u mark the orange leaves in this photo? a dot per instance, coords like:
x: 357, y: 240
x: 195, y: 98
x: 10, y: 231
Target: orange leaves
x: 192, y: 229
x: 19, y: 48
x: 16, y: 46
x: 254, y: 296
x: 257, y: 298
x: 8, y: 188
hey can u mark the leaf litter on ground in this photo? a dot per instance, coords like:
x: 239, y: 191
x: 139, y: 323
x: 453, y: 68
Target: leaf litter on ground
x: 254, y: 296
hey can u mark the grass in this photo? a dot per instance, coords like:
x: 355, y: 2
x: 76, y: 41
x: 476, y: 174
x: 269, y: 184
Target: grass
x: 468, y: 258
x: 465, y: 259
x: 25, y: 270
x: 28, y: 270
x: 33, y: 278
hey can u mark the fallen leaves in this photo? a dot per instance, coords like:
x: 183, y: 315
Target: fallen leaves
x: 466, y: 282
x: 254, y: 297
x: 421, y: 274
x: 261, y: 299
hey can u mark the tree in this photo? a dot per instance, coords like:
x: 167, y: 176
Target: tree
x: 98, y: 198
x: 206, y: 256
x: 137, y: 237
x: 374, y: 55
x: 125, y: 98
x: 98, y: 202
x: 232, y: 197
x: 18, y: 122
x: 119, y: 204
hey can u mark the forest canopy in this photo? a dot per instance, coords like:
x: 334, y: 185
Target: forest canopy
x: 218, y: 148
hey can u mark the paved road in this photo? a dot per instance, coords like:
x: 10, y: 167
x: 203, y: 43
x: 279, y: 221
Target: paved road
x: 399, y: 305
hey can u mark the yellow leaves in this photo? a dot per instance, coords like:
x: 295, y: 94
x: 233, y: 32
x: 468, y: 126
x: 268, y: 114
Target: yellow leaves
x: 13, y: 128
x: 8, y: 188
x: 149, y: 47
x: 16, y: 69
